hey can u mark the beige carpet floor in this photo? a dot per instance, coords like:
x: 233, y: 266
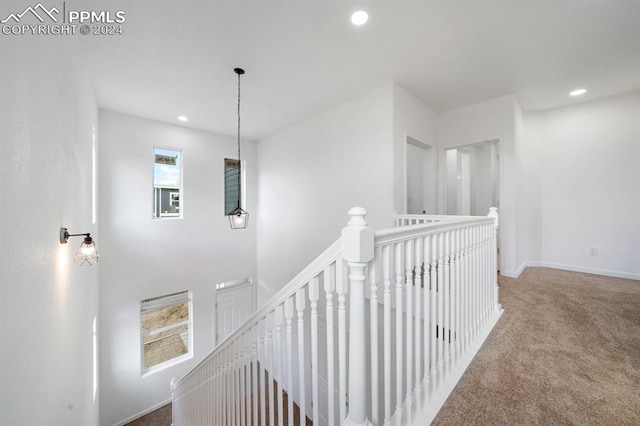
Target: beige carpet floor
x: 566, y: 351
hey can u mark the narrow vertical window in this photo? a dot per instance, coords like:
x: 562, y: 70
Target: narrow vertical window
x: 167, y: 183
x: 94, y: 178
x: 232, y: 191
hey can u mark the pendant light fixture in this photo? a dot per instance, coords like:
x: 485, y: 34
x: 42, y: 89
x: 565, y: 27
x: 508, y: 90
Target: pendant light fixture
x: 238, y: 218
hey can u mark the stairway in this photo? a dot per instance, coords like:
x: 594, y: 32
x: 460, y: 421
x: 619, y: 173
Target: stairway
x: 377, y: 330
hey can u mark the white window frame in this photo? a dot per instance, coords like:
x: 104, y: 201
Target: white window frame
x: 189, y: 322
x: 179, y: 188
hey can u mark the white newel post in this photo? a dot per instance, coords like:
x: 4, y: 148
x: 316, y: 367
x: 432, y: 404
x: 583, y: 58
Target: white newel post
x: 357, y: 251
x: 493, y: 213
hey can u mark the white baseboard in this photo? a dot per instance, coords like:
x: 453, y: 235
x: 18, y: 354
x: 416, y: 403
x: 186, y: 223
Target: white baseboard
x: 523, y: 265
x: 573, y: 268
x: 143, y: 413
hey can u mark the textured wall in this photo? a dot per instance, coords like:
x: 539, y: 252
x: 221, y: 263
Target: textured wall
x: 47, y: 304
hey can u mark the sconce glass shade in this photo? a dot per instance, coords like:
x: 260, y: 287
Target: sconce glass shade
x: 238, y: 218
x: 87, y: 254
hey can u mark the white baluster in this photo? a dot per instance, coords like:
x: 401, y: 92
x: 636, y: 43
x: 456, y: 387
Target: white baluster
x: 263, y: 385
x: 314, y: 295
x: 238, y: 359
x: 456, y: 295
x: 341, y: 290
x: 474, y: 292
x: 278, y: 313
x: 441, y: 290
x: 270, y: 363
x: 478, y: 281
x: 409, y: 274
x: 357, y: 250
x: 254, y: 374
x: 234, y: 396
x: 417, y: 322
x: 215, y: 395
x: 329, y: 287
x: 223, y: 384
x: 373, y: 336
x: 231, y: 377
x: 399, y: 337
x: 481, y: 278
x: 487, y: 273
x: 426, y: 338
x: 467, y: 287
x: 486, y: 286
x: 223, y: 389
x: 209, y: 394
x: 386, y: 266
x: 288, y: 314
x: 472, y: 283
x: 300, y: 305
x: 243, y: 394
x: 433, y: 310
x: 447, y: 302
x: 196, y: 401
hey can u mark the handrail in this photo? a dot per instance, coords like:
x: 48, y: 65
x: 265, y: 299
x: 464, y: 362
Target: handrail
x: 389, y: 235
x: 330, y: 255
x: 436, y: 217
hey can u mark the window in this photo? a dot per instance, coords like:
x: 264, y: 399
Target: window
x: 167, y: 183
x: 232, y: 170
x: 166, y: 330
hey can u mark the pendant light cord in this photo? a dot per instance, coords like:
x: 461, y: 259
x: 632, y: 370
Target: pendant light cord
x: 239, y: 161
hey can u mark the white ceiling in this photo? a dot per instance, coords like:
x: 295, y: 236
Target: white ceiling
x: 301, y: 58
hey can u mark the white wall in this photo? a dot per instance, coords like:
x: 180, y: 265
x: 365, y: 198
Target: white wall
x: 412, y: 118
x: 530, y: 210
x: 144, y: 257
x: 482, y: 158
x: 415, y: 187
x: 311, y: 174
x: 494, y: 119
x: 587, y: 161
x: 47, y: 304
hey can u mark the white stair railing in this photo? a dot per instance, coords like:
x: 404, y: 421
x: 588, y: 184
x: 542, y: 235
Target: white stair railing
x: 439, y: 276
x: 433, y: 282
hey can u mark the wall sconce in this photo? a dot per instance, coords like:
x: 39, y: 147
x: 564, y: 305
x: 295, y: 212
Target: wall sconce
x: 87, y: 254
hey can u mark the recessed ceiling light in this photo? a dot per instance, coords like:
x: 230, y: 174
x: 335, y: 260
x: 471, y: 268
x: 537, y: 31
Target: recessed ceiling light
x: 359, y: 17
x: 182, y: 118
x: 578, y: 92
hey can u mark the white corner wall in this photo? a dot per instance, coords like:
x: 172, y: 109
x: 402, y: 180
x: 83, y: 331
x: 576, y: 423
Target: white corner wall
x: 587, y: 160
x: 493, y: 119
x: 47, y: 304
x: 411, y: 118
x: 531, y: 166
x: 311, y: 174
x: 144, y: 257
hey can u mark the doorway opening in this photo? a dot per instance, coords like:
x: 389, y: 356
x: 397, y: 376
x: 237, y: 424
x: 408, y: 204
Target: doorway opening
x: 472, y: 179
x: 421, y: 174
